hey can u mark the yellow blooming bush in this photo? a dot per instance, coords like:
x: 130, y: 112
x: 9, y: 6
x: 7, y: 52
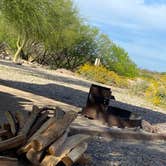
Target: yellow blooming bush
x: 102, y: 75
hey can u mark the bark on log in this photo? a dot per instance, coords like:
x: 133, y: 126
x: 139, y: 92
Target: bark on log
x: 57, y: 144
x: 8, y: 161
x: 53, y: 132
x: 75, y: 154
x: 34, y: 157
x: 12, y: 122
x: 12, y: 143
x: 38, y: 123
x: 44, y: 127
x: 6, y: 126
x: 20, y: 119
x: 3, y: 132
x: 70, y: 143
x: 31, y: 120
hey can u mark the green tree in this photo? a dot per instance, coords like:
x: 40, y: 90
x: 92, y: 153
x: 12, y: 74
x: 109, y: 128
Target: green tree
x: 27, y: 19
x: 119, y: 61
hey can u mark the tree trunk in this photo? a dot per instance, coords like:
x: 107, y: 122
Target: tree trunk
x: 20, y: 46
x: 17, y: 54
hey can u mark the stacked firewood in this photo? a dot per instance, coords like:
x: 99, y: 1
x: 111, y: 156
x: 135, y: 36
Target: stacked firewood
x: 43, y: 138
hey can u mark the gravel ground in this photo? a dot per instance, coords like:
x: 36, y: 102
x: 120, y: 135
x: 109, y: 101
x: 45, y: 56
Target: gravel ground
x: 70, y: 89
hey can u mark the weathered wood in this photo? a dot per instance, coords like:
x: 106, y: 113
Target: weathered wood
x: 67, y: 159
x: 3, y: 132
x: 53, y: 132
x: 8, y: 161
x: 75, y: 154
x: 44, y: 127
x: 20, y: 120
x: 12, y: 143
x: 57, y: 144
x: 70, y: 143
x: 117, y: 133
x: 24, y: 149
x: 31, y: 120
x: 34, y: 157
x: 50, y: 161
x: 6, y: 126
x: 11, y: 120
x: 38, y: 123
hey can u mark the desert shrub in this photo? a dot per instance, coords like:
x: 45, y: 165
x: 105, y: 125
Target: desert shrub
x: 139, y: 87
x: 102, y: 75
x: 156, y: 92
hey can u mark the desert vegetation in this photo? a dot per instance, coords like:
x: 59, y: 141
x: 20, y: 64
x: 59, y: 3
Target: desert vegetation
x: 53, y: 33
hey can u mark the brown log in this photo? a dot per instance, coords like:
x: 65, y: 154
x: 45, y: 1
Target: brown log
x: 53, y: 132
x: 71, y: 157
x: 12, y: 122
x: 20, y: 119
x: 57, y: 144
x: 75, y: 154
x: 24, y: 149
x: 38, y: 123
x: 8, y: 161
x: 34, y: 157
x: 12, y: 143
x: 3, y: 132
x: 70, y: 143
x: 31, y: 120
x: 50, y: 161
x: 44, y: 127
x: 85, y: 159
x: 6, y: 126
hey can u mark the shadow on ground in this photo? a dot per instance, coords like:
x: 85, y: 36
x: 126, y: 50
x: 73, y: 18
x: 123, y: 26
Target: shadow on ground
x: 72, y: 96
x: 53, y: 91
x: 9, y: 102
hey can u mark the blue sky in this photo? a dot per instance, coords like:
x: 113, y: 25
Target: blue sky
x: 139, y: 26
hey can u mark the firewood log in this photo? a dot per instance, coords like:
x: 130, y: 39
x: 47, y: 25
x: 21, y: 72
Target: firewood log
x: 38, y: 123
x: 53, y: 132
x: 71, y: 157
x: 8, y: 161
x: 44, y: 127
x: 6, y: 126
x: 31, y: 120
x: 20, y: 119
x: 11, y: 120
x: 85, y: 159
x: 75, y: 154
x: 57, y: 144
x: 50, y: 161
x: 12, y: 143
x: 34, y: 157
x: 70, y: 143
x: 3, y: 132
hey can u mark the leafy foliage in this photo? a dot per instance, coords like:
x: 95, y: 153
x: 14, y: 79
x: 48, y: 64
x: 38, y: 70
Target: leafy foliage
x: 102, y: 75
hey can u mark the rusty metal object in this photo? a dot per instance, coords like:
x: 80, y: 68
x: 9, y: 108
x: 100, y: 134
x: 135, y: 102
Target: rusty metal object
x: 98, y: 107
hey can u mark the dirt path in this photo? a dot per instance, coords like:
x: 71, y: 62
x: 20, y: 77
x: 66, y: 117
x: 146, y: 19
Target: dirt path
x: 21, y: 86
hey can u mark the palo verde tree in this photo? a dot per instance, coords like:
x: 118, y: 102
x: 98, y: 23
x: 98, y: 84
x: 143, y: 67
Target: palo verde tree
x: 27, y: 19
